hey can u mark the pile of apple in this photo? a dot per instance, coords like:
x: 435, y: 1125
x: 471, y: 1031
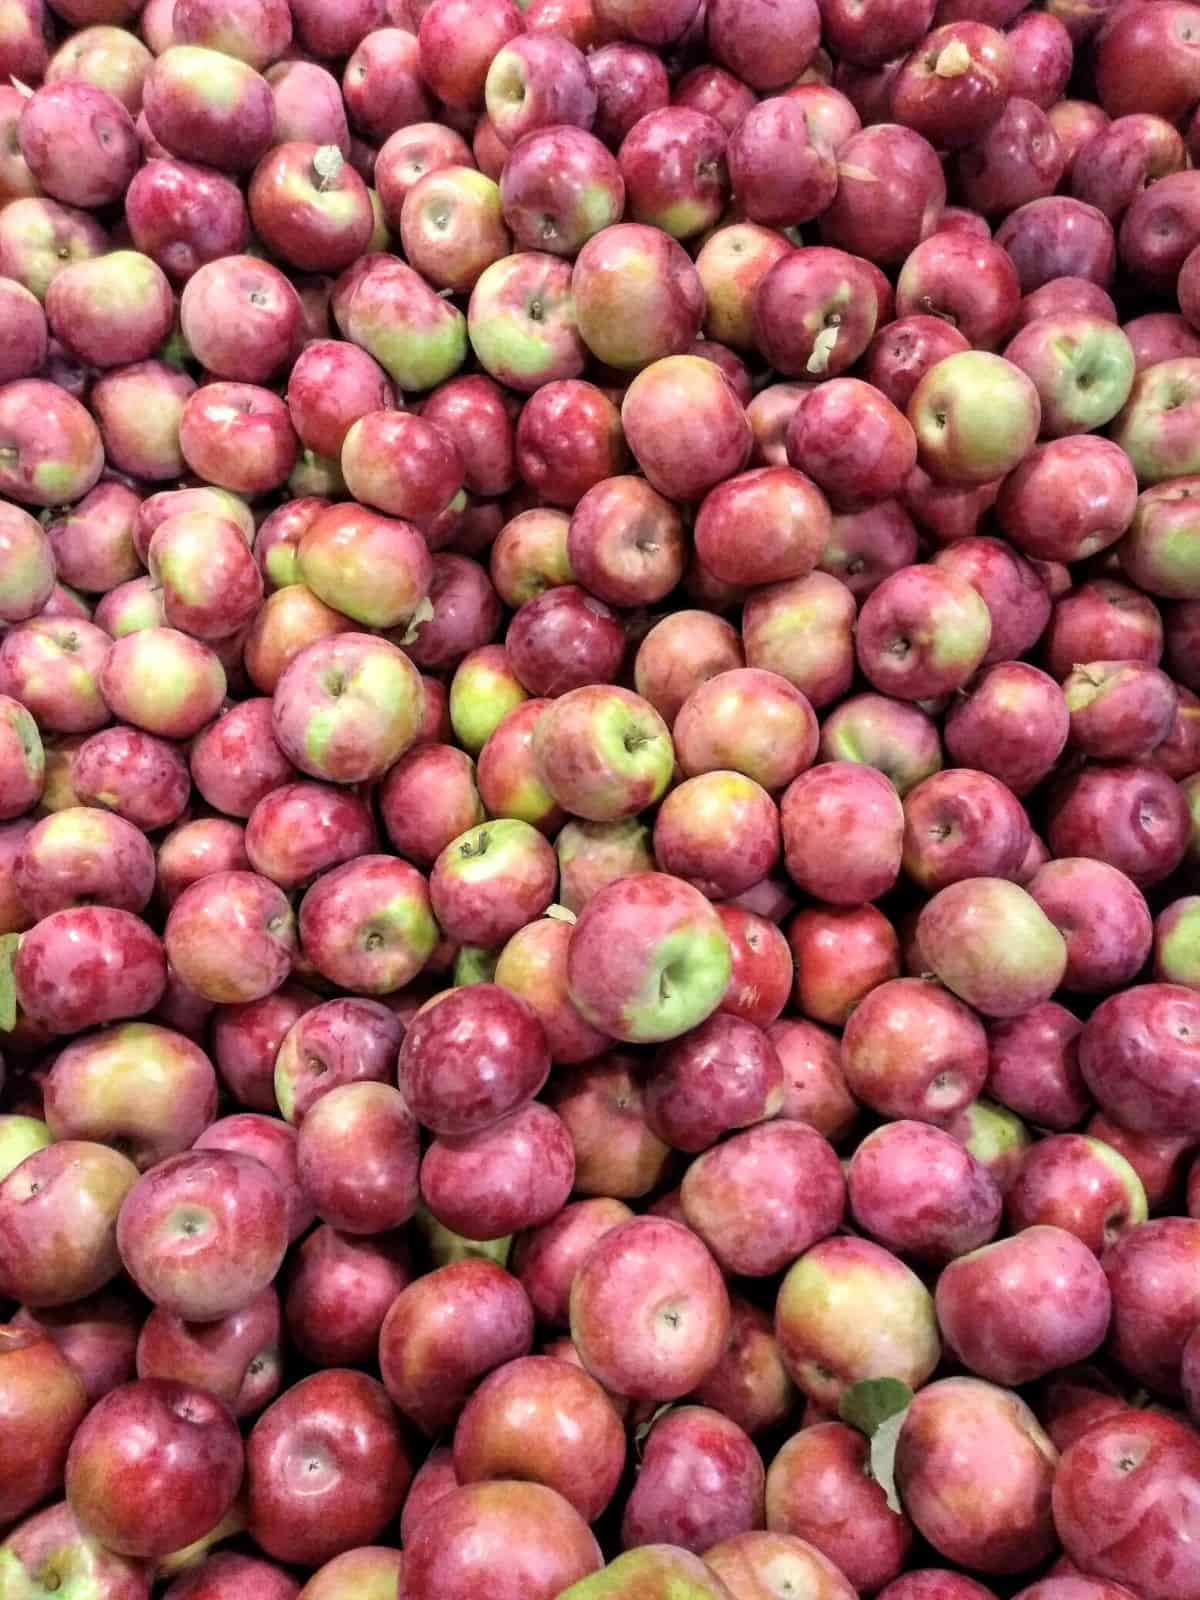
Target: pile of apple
x: 599, y: 800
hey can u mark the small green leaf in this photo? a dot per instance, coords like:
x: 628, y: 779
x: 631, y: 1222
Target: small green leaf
x: 878, y: 1407
x: 8, y: 988
x: 423, y: 613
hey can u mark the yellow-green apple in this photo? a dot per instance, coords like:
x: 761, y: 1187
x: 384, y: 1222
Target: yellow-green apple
x: 445, y: 1332
x: 20, y: 1136
x: 58, y: 1216
x: 917, y: 1190
x: 911, y: 1049
x: 29, y: 565
x: 1156, y: 552
x: 374, y: 568
x: 976, y: 416
x: 649, y: 959
x: 849, y: 1310
x: 521, y: 321
x: 544, y: 1421
x: 637, y: 296
x: 51, y: 1549
x: 341, y: 1041
x: 144, y: 1089
x: 1175, y: 942
x: 231, y: 937
x: 22, y: 762
x: 764, y: 1196
x: 174, y: 1436
x: 86, y: 965
x: 1082, y: 366
x: 386, y: 308
x: 657, y: 1571
x: 893, y: 736
x: 513, y: 1174
x: 650, y: 1313
x: 162, y: 681
x: 483, y: 690
x: 347, y: 707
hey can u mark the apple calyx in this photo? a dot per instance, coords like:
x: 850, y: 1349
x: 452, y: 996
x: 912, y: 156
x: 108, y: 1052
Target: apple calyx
x: 877, y: 1407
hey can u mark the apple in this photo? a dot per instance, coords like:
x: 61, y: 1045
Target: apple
x: 173, y: 1435
x: 471, y: 1059
x: 649, y: 1311
x: 226, y: 1573
x: 960, y: 1432
x: 44, y: 1397
x: 544, y: 1421
x: 346, y: 707
x: 976, y: 417
x: 709, y: 437
x: 183, y: 216
x: 849, y: 1310
x: 1102, y: 620
x: 990, y: 942
x: 718, y: 831
x: 1019, y: 160
x: 1131, y: 816
x: 843, y: 827
x: 300, y: 830
x: 1110, y: 1497
x: 962, y: 824
x: 1069, y: 499
x: 560, y: 186
x: 239, y: 436
x: 815, y: 312
x: 388, y: 310
x: 819, y: 1487
x: 367, y: 925
x: 79, y: 142
x: 700, y: 1474
x: 341, y: 1041
x: 87, y: 965
x: 208, y: 107
x: 912, y: 1050
x: 58, y: 1215
x: 803, y: 630
x: 1102, y: 916
x: 524, y: 1535
x: 602, y: 1104
x: 1078, y: 1183
x: 332, y: 1273
x: 50, y: 1548
x: 637, y: 296
x: 236, y: 1359
x: 521, y: 321
x: 309, y: 1497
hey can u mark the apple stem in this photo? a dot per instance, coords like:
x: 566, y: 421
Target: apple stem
x: 327, y: 165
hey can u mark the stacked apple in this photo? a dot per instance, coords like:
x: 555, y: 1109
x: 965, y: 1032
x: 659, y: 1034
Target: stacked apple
x: 599, y: 799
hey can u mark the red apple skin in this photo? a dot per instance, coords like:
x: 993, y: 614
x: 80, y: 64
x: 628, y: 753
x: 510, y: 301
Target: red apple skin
x: 902, y: 352
x: 749, y: 1384
x: 1153, y: 1277
x: 43, y: 1401
x: 543, y: 1421
x: 1119, y: 1499
x: 1033, y: 1066
x: 819, y: 1489
x: 58, y: 865
x: 141, y: 778
x: 937, y: 1584
x: 1160, y: 336
x: 427, y: 799
x: 764, y: 526
x: 88, y: 965
x: 235, y: 761
x: 271, y: 1141
x: 1102, y: 916
x: 722, y: 1075
x: 203, y: 1233
x: 97, y: 1335
x: 1018, y: 161
x: 231, y: 937
x: 339, y: 1290
x: 763, y: 1197
x: 326, y: 1468
x: 342, y: 1041
x: 962, y: 824
x: 170, y: 1441
x: 563, y: 639
x: 513, y: 1540
x: 630, y: 81
x: 843, y: 828
x: 963, y: 1431
x: 547, y: 1258
x: 58, y: 1214
x: 700, y: 1474
x: 840, y: 954
x: 919, y: 1192
x: 912, y: 1050
x: 601, y: 1103
x: 750, y: 1564
x: 685, y: 425
x: 762, y: 966
x: 1131, y: 816
x: 203, y: 106
x: 79, y: 142
x: 718, y: 831
x: 183, y: 216
x: 471, y: 1059
x: 1056, y: 237
x: 297, y: 831
x: 1023, y: 1307
x: 954, y: 108
x: 1102, y: 620
x: 766, y: 48
x: 810, y: 293
x: 513, y: 1174
x: 638, y: 297
x: 226, y: 1575
x: 236, y: 1359
x: 445, y: 1332
x: 625, y: 542
x: 782, y: 172
x: 899, y: 162
x: 746, y: 720
x: 640, y: 1273
x: 1066, y: 294
x: 1078, y: 1184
